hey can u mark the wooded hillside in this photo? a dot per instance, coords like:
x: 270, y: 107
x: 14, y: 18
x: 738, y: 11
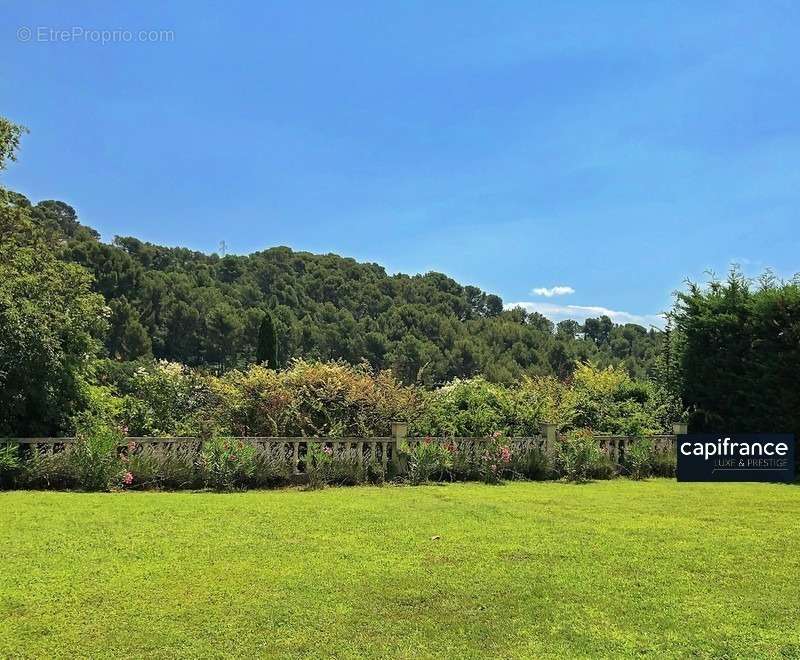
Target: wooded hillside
x: 206, y: 310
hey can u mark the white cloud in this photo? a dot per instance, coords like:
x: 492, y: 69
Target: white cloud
x: 553, y: 291
x: 581, y: 312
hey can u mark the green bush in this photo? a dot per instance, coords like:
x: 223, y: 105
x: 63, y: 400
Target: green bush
x: 161, y: 467
x: 531, y: 463
x: 326, y: 466
x: 336, y: 399
x: 271, y: 467
x: 604, y: 468
x: 227, y: 464
x: 316, y: 466
x: 375, y: 473
x: 465, y: 464
x: 312, y: 399
x: 142, y: 467
x: 10, y: 465
x: 428, y: 460
x: 477, y: 408
x: 663, y: 464
x: 94, y: 455
x: 638, y: 458
x: 495, y: 460
x: 48, y: 471
x: 578, y: 457
x: 609, y: 401
x: 167, y: 399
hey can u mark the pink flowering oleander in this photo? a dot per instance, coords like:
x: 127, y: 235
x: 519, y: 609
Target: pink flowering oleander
x: 127, y: 479
x: 505, y: 454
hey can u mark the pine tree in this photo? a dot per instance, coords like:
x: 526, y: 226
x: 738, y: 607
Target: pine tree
x: 267, y: 349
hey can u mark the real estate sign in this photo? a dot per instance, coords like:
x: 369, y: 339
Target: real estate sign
x: 736, y: 457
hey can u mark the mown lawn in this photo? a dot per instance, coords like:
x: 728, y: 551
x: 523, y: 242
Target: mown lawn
x: 521, y: 570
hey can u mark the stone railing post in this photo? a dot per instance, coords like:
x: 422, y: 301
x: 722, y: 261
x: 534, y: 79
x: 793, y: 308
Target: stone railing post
x: 678, y: 428
x: 399, y: 434
x: 549, y: 430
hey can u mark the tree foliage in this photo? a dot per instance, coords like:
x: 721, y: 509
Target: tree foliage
x: 206, y: 311
x: 10, y: 134
x: 267, y: 351
x: 738, y: 345
x: 50, y: 322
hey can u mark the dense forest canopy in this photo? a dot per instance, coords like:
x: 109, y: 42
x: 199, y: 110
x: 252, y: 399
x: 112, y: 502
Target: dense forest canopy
x: 206, y: 311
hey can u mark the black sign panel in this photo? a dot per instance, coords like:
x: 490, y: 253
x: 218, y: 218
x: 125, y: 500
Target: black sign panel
x: 736, y: 457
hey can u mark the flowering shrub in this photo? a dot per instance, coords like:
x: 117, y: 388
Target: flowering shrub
x: 227, y: 464
x: 489, y: 461
x: 495, y: 460
x: 167, y: 399
x: 475, y: 408
x: 336, y: 399
x: 142, y: 466
x: 312, y: 399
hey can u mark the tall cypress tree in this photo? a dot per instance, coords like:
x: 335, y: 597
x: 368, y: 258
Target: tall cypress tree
x: 267, y: 349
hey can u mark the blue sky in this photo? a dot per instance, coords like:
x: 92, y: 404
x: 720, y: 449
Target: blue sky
x: 610, y: 149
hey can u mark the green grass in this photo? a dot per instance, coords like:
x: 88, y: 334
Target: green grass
x: 521, y: 570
